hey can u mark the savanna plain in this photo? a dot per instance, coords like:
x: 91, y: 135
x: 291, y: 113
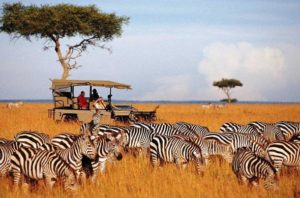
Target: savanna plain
x: 135, y: 177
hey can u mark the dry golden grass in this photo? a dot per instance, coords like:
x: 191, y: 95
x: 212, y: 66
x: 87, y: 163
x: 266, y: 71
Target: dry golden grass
x: 134, y: 177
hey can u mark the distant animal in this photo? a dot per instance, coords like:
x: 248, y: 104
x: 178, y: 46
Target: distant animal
x: 14, y: 105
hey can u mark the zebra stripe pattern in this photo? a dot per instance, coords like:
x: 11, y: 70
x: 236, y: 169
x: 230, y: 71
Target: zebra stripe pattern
x: 6, y: 151
x: 230, y: 127
x: 42, y: 165
x: 64, y: 140
x: 269, y: 131
x: 283, y: 153
x: 108, y: 147
x: 137, y: 138
x: 236, y: 141
x: 200, y: 131
x: 172, y: 149
x: 32, y: 139
x: 249, y: 167
x: 288, y: 128
x: 73, y: 155
x: 210, y: 148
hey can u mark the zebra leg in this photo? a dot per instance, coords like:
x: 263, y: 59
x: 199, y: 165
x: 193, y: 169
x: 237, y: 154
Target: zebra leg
x: 102, y: 166
x: 180, y: 162
x: 278, y: 165
x: 244, y: 179
x: 154, y: 158
x: 16, y: 177
x: 50, y: 181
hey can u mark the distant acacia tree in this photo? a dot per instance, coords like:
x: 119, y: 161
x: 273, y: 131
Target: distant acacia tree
x: 53, y: 23
x: 226, y: 85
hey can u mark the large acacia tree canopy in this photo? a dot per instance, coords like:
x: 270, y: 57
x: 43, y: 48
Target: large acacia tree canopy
x: 62, y: 20
x: 230, y: 83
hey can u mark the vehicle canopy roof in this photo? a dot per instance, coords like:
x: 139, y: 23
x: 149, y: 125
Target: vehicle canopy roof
x: 57, y: 84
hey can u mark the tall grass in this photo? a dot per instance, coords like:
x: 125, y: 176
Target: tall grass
x: 134, y: 177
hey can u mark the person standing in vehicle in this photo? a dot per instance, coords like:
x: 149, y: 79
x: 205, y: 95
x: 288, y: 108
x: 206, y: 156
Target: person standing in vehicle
x: 97, y: 100
x: 82, y: 102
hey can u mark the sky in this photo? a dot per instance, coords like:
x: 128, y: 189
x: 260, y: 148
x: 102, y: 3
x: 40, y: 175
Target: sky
x: 174, y: 50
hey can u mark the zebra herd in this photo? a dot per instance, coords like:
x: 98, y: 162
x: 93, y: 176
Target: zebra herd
x: 255, y: 151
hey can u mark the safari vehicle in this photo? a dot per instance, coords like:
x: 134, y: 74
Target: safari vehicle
x: 66, y: 105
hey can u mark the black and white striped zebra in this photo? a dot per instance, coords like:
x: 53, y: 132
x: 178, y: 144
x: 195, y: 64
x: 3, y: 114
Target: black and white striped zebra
x: 32, y: 139
x: 236, y: 141
x: 172, y: 149
x: 6, y: 151
x: 64, y: 140
x: 38, y: 164
x: 108, y: 147
x: 4, y: 141
x: 169, y: 130
x: 238, y: 128
x: 138, y: 139
x: 283, y: 153
x: 213, y: 148
x: 288, y: 128
x: 230, y: 127
x: 249, y: 167
x: 200, y: 131
x: 268, y: 130
x: 83, y: 145
x: 87, y: 127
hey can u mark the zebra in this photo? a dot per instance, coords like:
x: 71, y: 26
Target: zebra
x: 199, y: 130
x: 288, y: 128
x: 142, y: 125
x: 108, y: 146
x: 223, y: 138
x: 172, y: 149
x: 4, y: 141
x: 236, y: 141
x: 64, y: 140
x: 209, y: 148
x: 230, y: 127
x: 283, y: 153
x: 295, y: 139
x: 238, y: 128
x: 249, y: 167
x: 137, y: 138
x: 38, y: 164
x: 268, y: 131
x: 73, y: 155
x: 88, y: 127
x: 33, y: 139
x: 169, y: 130
x: 6, y: 151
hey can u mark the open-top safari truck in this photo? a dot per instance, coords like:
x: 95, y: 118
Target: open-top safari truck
x: 66, y: 105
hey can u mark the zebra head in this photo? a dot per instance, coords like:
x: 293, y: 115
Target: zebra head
x: 199, y: 161
x: 87, y: 145
x: 70, y: 183
x: 271, y: 181
x: 114, y: 145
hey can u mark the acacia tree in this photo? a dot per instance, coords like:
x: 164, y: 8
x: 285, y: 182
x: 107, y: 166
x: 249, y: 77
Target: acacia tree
x: 226, y: 85
x: 87, y: 24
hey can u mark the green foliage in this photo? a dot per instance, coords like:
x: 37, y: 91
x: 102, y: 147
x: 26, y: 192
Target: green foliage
x: 229, y: 101
x: 230, y: 83
x: 62, y: 20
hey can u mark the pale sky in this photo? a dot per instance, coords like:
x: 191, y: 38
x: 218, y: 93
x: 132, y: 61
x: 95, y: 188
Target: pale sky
x: 174, y: 50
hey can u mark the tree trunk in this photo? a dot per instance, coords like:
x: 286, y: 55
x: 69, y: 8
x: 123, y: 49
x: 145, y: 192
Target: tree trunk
x: 227, y: 92
x: 62, y: 60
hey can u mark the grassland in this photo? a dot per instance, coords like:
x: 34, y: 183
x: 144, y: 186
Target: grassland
x: 134, y: 177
